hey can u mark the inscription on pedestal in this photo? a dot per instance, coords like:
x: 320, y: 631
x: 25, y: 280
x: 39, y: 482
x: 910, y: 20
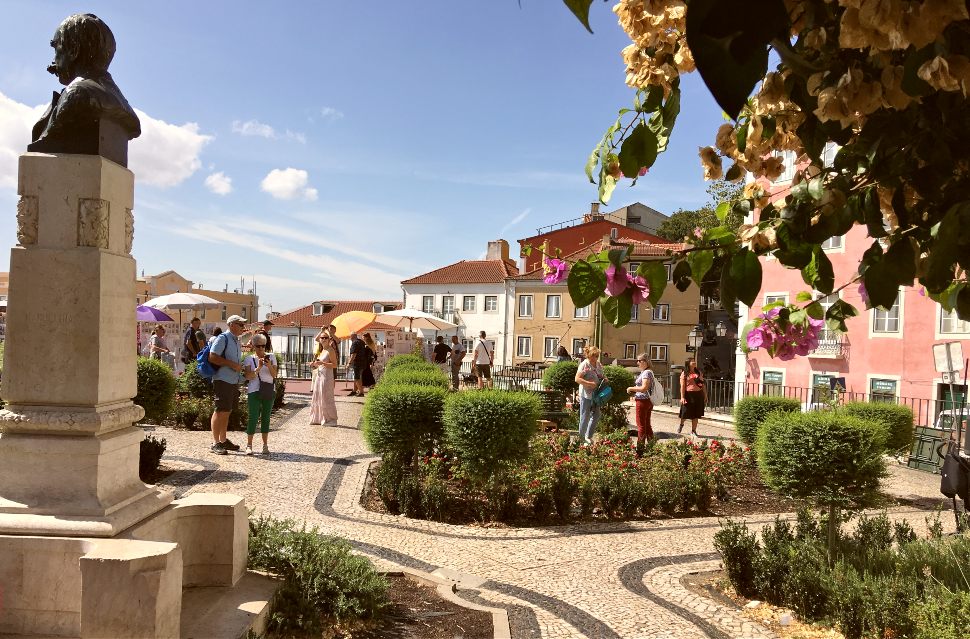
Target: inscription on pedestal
x: 92, y: 223
x: 129, y: 230
x: 27, y: 219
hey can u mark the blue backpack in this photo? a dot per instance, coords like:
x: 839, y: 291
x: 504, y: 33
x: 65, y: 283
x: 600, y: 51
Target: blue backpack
x: 206, y: 368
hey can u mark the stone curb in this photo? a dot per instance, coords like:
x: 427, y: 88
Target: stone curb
x: 665, y: 582
x: 448, y: 590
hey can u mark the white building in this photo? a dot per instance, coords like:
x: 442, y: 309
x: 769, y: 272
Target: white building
x: 474, y: 295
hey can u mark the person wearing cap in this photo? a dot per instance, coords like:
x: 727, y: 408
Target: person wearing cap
x: 267, y: 328
x: 226, y: 353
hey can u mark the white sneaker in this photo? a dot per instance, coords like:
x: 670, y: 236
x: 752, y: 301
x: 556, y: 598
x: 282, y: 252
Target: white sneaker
x: 265, y: 449
x: 249, y: 450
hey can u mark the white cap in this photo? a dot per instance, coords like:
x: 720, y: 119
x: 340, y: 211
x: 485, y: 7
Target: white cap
x: 236, y: 318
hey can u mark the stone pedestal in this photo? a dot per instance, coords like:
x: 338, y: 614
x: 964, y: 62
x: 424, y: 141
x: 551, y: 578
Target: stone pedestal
x: 86, y: 548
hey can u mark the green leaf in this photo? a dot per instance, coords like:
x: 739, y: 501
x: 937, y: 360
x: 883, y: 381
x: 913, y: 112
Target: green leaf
x: 963, y: 304
x: 803, y: 296
x: 527, y: 250
x: 618, y: 256
x: 616, y: 310
x: 730, y: 45
x: 816, y: 188
x: 722, y: 211
x: 607, y: 185
x: 681, y: 276
x: 586, y: 283
x: 881, y: 284
x: 591, y: 163
x: 818, y: 273
x: 798, y: 317
x: 746, y: 275
x: 727, y: 291
x: 815, y: 311
x: 912, y: 84
x: 837, y: 314
x: 656, y: 275
x: 580, y: 9
x: 768, y: 307
x: 902, y: 257
x: 792, y: 251
x: 655, y: 96
x: 700, y: 263
x: 639, y: 150
x: 742, y: 136
x: 733, y: 173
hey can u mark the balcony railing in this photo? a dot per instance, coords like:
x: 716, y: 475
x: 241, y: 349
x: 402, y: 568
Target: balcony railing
x: 831, y: 345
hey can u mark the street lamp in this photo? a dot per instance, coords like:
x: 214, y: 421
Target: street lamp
x: 721, y: 329
x: 695, y: 338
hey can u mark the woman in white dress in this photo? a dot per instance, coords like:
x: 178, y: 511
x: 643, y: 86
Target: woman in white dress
x: 323, y: 407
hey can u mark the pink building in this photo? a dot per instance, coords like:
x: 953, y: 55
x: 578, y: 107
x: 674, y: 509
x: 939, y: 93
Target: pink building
x: 885, y: 354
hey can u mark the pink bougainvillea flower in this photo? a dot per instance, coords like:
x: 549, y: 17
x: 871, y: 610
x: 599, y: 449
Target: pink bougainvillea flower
x: 864, y: 294
x: 641, y: 288
x: 922, y: 291
x: 617, y: 280
x: 555, y: 270
x: 698, y: 232
x: 756, y: 338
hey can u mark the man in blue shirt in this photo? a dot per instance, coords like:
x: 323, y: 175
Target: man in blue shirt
x: 226, y: 354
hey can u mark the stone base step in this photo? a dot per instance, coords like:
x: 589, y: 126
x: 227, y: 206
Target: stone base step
x: 228, y: 613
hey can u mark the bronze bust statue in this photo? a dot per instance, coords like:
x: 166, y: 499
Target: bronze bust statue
x: 90, y: 116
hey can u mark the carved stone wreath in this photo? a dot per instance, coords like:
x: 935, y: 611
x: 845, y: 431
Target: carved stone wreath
x: 92, y: 223
x: 27, y: 220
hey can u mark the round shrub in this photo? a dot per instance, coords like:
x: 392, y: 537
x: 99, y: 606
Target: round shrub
x: 620, y: 380
x: 833, y: 458
x: 191, y: 383
x: 751, y: 411
x: 403, y: 419
x: 895, y: 419
x: 401, y: 360
x: 561, y: 376
x: 489, y: 429
x: 156, y: 389
x: 416, y: 377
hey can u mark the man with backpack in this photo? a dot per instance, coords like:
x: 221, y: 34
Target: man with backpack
x: 190, y: 342
x: 226, y: 354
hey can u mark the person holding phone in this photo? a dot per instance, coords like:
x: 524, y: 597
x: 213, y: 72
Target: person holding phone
x: 261, y: 389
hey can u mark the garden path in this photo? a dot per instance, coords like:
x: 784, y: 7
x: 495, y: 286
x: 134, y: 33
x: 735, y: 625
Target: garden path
x: 602, y: 580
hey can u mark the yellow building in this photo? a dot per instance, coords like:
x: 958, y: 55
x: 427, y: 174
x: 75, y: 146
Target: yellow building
x: 545, y: 317
x: 235, y: 301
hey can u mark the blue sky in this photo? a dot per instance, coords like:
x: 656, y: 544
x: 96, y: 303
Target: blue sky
x: 331, y: 149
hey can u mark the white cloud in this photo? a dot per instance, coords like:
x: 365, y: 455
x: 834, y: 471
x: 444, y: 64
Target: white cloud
x: 164, y: 155
x: 254, y: 128
x: 295, y: 136
x: 288, y: 184
x: 219, y: 183
x: 331, y: 114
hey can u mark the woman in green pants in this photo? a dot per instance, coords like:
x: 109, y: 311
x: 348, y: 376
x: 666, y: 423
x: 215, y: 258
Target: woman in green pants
x: 261, y: 391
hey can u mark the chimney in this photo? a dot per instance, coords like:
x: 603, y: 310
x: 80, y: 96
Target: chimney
x: 594, y: 214
x: 497, y: 250
x: 594, y: 208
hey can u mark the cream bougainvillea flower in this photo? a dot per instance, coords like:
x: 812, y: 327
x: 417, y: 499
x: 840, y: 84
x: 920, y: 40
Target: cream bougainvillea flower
x: 711, y: 161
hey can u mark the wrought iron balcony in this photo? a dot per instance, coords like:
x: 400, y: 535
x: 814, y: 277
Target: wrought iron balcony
x: 831, y: 345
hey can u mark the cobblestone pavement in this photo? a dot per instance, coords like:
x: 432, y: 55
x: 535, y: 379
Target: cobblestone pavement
x: 602, y: 580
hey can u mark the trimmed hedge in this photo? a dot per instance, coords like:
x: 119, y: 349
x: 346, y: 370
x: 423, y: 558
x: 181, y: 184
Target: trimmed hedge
x: 403, y: 360
x: 620, y: 380
x: 833, y: 458
x: 414, y: 376
x: 561, y: 376
x: 403, y: 419
x: 751, y: 411
x: 489, y: 429
x: 191, y: 383
x: 895, y: 419
x: 156, y: 389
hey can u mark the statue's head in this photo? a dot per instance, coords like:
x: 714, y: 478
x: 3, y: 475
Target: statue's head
x: 83, y: 46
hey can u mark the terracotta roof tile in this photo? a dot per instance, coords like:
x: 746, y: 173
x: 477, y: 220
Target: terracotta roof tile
x: 305, y: 317
x: 468, y: 272
x: 640, y: 249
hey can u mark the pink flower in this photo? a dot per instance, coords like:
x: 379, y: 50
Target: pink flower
x: 555, y: 270
x: 641, y: 289
x: 617, y: 280
x: 756, y: 338
x: 922, y: 291
x: 698, y: 232
x: 864, y: 294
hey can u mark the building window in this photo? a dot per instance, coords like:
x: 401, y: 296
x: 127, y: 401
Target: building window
x: 378, y: 308
x: 469, y: 345
x: 632, y: 269
x: 552, y: 305
x: 772, y: 383
x: 886, y: 321
x: 821, y: 388
x: 669, y: 269
x: 771, y: 299
x: 661, y: 313
x: 491, y: 303
x: 828, y: 155
x: 525, y: 306
x: 788, y: 160
x: 581, y: 313
x: 951, y: 323
x: 658, y: 352
x: 635, y: 313
x: 549, y: 347
x: 523, y: 346
x: 468, y: 303
x: 427, y: 303
x: 578, y: 344
x: 629, y: 351
x: 882, y: 390
x: 317, y: 309
x: 448, y: 304
x: 833, y: 242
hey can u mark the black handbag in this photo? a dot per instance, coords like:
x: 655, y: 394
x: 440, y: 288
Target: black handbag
x: 266, y: 390
x: 954, y: 481
x: 683, y: 411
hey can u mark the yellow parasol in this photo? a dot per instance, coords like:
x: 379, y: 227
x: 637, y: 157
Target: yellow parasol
x: 352, y: 322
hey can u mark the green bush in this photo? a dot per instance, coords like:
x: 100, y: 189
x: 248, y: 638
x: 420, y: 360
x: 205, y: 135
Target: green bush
x: 490, y: 428
x: 403, y: 419
x: 150, y: 456
x: 613, y: 419
x: 561, y: 376
x: 403, y: 360
x: 186, y: 412
x: 620, y: 379
x: 895, y: 419
x: 749, y: 412
x: 280, y: 387
x: 322, y: 579
x: 739, y: 550
x: 944, y: 614
x: 191, y: 383
x: 156, y: 389
x: 416, y: 377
